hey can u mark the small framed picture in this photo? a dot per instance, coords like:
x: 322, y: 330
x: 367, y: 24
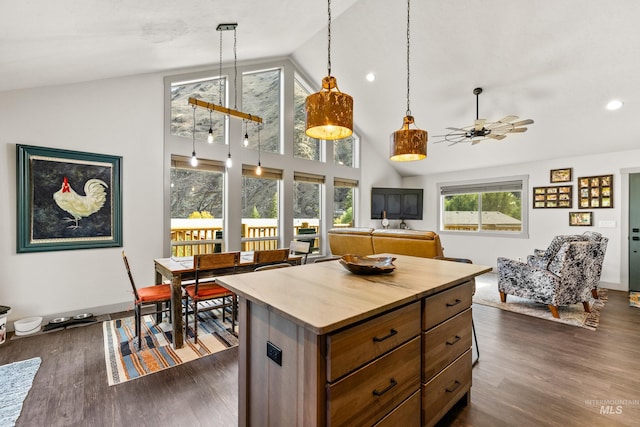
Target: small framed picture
x: 581, y: 218
x: 561, y: 175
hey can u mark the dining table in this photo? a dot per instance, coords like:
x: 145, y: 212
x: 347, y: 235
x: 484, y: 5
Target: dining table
x: 179, y: 270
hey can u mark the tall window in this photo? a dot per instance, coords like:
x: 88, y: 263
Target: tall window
x: 307, y: 205
x: 497, y: 206
x: 304, y: 146
x: 261, y: 96
x: 182, y: 112
x: 343, y: 197
x: 260, y: 208
x: 344, y: 151
x: 197, y: 196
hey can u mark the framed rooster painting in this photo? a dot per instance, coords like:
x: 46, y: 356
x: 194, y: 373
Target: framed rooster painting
x: 67, y: 199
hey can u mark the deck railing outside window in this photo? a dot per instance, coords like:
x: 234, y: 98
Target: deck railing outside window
x: 201, y: 239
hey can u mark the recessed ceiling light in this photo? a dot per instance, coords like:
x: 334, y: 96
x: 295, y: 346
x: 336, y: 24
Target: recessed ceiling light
x: 614, y: 104
x: 371, y: 77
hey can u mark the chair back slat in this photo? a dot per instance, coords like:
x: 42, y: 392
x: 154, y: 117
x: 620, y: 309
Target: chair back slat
x: 274, y: 255
x: 220, y: 261
x: 133, y: 284
x: 216, y: 260
x: 298, y: 247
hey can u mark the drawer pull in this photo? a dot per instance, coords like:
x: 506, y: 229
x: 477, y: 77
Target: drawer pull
x: 392, y: 332
x: 392, y: 384
x: 454, y: 388
x: 451, y: 304
x: 453, y: 340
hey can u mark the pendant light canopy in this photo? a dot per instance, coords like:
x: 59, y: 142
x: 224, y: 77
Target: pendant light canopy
x: 329, y: 111
x: 408, y: 144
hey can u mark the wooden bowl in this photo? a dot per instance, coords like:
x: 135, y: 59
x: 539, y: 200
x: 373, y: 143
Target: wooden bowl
x: 360, y: 264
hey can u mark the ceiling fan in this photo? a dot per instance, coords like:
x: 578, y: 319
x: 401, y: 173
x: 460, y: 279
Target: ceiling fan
x: 482, y: 130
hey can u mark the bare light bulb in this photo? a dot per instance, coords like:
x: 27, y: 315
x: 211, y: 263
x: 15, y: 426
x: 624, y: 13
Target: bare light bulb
x: 258, y: 169
x: 210, y: 137
x: 194, y: 159
x: 246, y: 140
x: 229, y: 161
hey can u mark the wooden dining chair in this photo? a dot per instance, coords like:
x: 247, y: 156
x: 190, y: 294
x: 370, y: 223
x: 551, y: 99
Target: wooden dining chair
x: 299, y: 247
x: 270, y: 256
x: 157, y: 295
x: 208, y: 266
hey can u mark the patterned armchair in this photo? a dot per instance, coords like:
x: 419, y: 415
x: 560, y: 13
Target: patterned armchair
x: 542, y: 258
x: 562, y: 281
x: 594, y: 270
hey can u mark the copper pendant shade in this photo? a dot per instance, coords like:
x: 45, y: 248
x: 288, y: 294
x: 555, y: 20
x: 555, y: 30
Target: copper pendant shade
x: 329, y: 112
x: 406, y: 144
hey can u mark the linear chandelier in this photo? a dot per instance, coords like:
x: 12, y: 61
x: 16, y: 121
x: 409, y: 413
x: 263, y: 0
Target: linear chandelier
x: 219, y: 108
x: 232, y: 112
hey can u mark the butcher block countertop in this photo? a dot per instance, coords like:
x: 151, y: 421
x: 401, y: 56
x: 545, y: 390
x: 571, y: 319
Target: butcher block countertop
x: 325, y: 297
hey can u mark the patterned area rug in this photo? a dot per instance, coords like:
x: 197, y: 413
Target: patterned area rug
x: 574, y: 315
x: 16, y: 380
x: 125, y: 362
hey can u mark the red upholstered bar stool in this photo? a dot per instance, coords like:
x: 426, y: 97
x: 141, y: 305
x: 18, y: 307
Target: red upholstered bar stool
x: 157, y: 295
x: 206, y: 291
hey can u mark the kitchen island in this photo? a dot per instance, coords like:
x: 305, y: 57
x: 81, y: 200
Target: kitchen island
x: 322, y: 346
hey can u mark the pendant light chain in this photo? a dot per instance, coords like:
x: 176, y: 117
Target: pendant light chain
x: 220, y: 73
x: 329, y: 39
x: 235, y: 70
x: 408, y: 72
x: 194, y: 130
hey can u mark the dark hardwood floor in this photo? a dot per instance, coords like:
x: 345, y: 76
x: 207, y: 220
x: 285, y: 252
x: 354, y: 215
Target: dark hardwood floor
x: 531, y: 372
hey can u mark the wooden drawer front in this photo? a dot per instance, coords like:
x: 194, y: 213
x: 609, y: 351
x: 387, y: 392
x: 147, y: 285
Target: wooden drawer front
x: 444, y: 305
x: 356, y: 346
x: 444, y: 343
x: 405, y: 415
x: 445, y: 389
x: 371, y: 392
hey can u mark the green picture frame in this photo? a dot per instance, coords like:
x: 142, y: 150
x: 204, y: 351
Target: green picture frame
x: 67, y: 199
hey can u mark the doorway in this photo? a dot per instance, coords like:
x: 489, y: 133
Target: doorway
x: 634, y: 232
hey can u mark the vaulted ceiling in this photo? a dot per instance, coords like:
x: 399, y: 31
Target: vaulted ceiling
x: 557, y: 63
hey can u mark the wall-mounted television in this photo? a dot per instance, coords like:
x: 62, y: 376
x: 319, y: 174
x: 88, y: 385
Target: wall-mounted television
x: 398, y: 203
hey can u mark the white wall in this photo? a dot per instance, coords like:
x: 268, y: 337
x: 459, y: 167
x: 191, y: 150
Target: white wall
x: 543, y: 223
x: 122, y: 117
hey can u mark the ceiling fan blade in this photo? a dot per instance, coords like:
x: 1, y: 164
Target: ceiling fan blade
x: 508, y: 119
x: 517, y: 130
x: 501, y: 130
x: 479, y: 124
x: 523, y: 123
x: 498, y: 137
x: 458, y: 129
x: 448, y: 135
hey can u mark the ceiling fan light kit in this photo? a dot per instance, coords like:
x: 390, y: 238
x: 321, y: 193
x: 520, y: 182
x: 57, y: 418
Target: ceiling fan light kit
x: 329, y: 112
x: 405, y: 144
x: 482, y: 130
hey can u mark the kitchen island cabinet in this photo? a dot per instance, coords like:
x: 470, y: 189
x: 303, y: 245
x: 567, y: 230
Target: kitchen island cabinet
x: 322, y: 346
